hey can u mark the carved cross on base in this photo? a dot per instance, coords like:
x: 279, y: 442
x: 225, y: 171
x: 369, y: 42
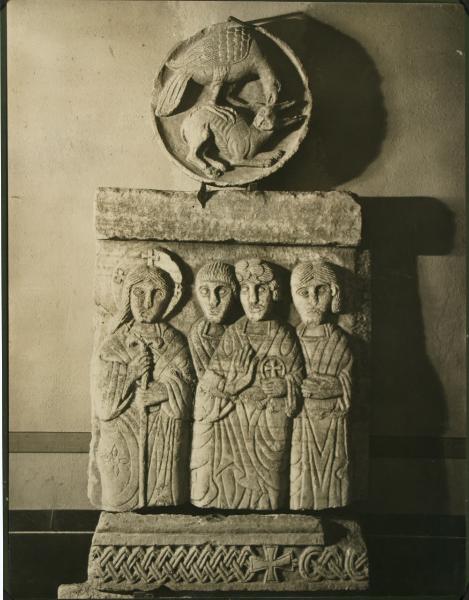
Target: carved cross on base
x: 270, y: 564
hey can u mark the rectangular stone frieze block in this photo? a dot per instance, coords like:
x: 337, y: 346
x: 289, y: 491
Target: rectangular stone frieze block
x: 237, y: 552
x: 311, y: 218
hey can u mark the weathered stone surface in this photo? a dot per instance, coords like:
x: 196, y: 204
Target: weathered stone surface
x: 320, y: 448
x: 245, y: 402
x: 133, y: 552
x: 252, y: 93
x: 142, y: 391
x: 219, y: 420
x: 84, y: 591
x: 293, y: 218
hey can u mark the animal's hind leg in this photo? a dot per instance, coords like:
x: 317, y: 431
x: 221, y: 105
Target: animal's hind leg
x: 196, y: 140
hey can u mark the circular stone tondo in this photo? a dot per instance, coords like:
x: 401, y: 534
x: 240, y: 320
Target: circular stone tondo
x: 231, y: 104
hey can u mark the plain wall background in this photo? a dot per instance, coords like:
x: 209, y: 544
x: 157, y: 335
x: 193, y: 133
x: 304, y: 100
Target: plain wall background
x: 389, y: 126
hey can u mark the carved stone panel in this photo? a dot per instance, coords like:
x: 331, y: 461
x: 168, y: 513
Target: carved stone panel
x: 212, y: 266
x: 227, y: 376
x: 231, y: 104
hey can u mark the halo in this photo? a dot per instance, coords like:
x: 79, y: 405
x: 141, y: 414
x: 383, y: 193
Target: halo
x: 151, y: 257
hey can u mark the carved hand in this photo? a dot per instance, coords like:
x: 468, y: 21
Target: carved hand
x: 275, y: 388
x: 321, y: 387
x: 139, y: 366
x: 156, y: 393
x: 241, y: 372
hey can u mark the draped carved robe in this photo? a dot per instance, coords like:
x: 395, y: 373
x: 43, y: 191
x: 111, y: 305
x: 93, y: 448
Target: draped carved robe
x: 204, y: 338
x: 240, y: 445
x: 319, y: 471
x: 140, y: 457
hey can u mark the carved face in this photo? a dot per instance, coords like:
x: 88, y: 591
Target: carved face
x: 257, y: 300
x: 313, y: 302
x: 215, y: 299
x: 148, y: 301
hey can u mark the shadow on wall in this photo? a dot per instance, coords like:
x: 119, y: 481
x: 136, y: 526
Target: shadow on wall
x: 406, y: 391
x: 348, y: 122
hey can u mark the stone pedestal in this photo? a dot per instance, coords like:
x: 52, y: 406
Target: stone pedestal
x: 281, y: 552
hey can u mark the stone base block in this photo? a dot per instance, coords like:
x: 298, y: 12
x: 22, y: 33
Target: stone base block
x: 141, y: 553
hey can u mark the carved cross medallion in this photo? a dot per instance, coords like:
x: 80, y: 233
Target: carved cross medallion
x: 270, y: 563
x: 273, y: 366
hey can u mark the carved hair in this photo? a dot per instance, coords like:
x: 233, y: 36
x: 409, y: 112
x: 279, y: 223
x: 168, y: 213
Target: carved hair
x: 257, y: 271
x: 217, y: 271
x: 136, y: 275
x: 324, y: 273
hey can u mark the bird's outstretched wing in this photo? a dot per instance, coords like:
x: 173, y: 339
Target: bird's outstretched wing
x: 217, y: 46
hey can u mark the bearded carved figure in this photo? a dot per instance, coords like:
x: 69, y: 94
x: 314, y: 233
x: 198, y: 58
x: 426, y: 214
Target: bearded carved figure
x: 142, y: 391
x: 319, y: 472
x: 245, y: 402
x: 215, y: 287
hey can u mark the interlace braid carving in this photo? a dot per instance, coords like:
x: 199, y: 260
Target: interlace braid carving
x: 333, y: 563
x: 180, y: 564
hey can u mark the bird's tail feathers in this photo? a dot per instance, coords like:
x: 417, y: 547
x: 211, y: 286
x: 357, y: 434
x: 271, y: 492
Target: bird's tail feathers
x: 170, y: 94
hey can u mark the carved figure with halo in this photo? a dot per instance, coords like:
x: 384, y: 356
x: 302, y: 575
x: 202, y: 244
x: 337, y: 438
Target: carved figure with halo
x: 142, y: 389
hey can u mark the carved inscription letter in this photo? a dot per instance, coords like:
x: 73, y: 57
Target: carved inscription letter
x: 319, y: 476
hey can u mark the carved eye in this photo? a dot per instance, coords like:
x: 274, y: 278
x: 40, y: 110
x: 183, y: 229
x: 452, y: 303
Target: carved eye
x: 223, y: 291
x: 159, y: 293
x: 244, y: 289
x: 303, y: 292
x: 204, y: 291
x: 262, y: 289
x: 137, y: 292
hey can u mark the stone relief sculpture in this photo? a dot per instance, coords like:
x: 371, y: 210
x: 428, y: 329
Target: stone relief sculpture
x: 246, y: 414
x: 142, y: 388
x: 221, y: 53
x: 215, y: 286
x: 218, y: 107
x: 244, y: 404
x: 237, y: 143
x: 319, y: 472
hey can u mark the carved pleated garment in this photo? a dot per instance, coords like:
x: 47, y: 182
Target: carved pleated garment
x: 319, y: 472
x: 240, y: 448
x: 140, y: 458
x: 204, y: 338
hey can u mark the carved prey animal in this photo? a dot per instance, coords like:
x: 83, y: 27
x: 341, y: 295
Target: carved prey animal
x: 238, y: 143
x: 222, y: 53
